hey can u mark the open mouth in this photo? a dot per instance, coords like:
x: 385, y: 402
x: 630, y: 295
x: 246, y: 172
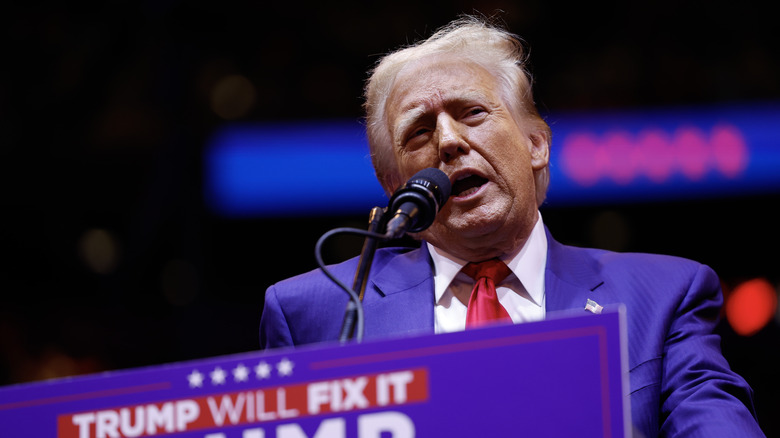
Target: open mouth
x: 468, y: 185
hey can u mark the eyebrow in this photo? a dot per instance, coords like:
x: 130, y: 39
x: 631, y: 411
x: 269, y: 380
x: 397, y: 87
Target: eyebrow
x: 407, y: 119
x: 413, y: 115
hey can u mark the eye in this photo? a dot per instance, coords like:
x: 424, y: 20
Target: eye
x: 475, y: 112
x: 419, y: 132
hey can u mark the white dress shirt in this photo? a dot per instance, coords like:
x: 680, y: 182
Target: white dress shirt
x: 521, y: 293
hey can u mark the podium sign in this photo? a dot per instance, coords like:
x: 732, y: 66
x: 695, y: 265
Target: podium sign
x: 559, y: 377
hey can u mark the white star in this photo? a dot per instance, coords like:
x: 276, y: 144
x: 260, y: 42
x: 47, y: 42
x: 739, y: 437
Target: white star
x: 284, y: 367
x: 196, y: 379
x: 262, y: 370
x: 217, y: 376
x: 240, y: 373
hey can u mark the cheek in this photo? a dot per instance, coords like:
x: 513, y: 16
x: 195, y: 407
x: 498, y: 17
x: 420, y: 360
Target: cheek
x: 516, y: 171
x: 412, y: 161
x: 510, y: 155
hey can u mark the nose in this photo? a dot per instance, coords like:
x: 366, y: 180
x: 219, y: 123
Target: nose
x: 450, y: 139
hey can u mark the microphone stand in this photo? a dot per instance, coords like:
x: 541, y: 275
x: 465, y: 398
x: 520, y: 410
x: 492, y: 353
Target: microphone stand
x: 375, y: 224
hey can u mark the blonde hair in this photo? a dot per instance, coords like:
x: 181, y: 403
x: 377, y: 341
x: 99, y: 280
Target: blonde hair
x: 500, y: 52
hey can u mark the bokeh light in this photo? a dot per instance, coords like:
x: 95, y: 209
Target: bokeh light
x: 750, y: 306
x: 99, y: 250
x: 232, y: 97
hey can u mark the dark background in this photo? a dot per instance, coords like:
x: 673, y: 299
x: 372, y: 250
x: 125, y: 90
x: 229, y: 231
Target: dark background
x: 109, y: 256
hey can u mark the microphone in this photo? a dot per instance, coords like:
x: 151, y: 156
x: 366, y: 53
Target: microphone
x: 415, y: 204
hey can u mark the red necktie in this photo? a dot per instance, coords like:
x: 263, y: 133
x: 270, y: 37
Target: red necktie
x: 483, y: 303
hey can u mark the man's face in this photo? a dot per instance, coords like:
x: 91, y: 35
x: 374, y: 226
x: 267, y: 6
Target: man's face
x: 450, y: 114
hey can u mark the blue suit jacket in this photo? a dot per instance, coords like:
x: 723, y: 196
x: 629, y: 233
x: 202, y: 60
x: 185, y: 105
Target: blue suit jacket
x: 680, y: 384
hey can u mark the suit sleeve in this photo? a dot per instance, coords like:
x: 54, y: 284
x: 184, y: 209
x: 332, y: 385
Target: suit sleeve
x: 274, y: 329
x: 701, y: 396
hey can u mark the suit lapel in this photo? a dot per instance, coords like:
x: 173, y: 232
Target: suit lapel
x: 402, y: 302
x: 571, y: 278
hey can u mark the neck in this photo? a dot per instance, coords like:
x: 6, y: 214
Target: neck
x: 477, y: 248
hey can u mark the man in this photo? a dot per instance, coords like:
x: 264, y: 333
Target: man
x: 461, y: 102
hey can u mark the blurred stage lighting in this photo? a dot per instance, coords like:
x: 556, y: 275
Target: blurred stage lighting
x: 323, y: 168
x: 751, y: 306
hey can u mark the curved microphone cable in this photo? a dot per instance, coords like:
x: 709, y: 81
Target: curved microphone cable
x: 412, y: 208
x: 354, y: 306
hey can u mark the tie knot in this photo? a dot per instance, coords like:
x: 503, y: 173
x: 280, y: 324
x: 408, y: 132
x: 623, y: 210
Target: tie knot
x: 493, y: 269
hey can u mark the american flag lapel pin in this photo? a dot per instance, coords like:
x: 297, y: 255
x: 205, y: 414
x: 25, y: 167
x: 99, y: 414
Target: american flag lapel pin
x: 593, y: 306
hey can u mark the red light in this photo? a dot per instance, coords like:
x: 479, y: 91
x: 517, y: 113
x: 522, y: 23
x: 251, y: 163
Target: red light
x: 750, y: 306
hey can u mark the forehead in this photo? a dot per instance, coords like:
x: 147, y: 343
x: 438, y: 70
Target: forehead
x: 438, y: 79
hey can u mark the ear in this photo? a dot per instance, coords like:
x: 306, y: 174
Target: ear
x: 539, y: 145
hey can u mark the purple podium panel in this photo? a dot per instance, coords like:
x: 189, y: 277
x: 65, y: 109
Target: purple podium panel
x: 559, y: 377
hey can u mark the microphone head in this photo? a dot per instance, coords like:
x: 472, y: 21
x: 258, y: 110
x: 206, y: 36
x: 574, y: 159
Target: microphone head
x: 429, y: 190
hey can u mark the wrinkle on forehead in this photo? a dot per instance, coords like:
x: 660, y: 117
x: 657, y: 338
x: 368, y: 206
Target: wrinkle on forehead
x: 406, y: 110
x: 420, y: 108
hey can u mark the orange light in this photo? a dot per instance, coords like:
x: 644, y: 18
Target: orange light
x: 750, y: 306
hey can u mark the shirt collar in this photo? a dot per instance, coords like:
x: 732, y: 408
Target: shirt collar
x: 528, y: 265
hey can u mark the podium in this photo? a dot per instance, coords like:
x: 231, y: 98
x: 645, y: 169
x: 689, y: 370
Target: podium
x: 562, y: 377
